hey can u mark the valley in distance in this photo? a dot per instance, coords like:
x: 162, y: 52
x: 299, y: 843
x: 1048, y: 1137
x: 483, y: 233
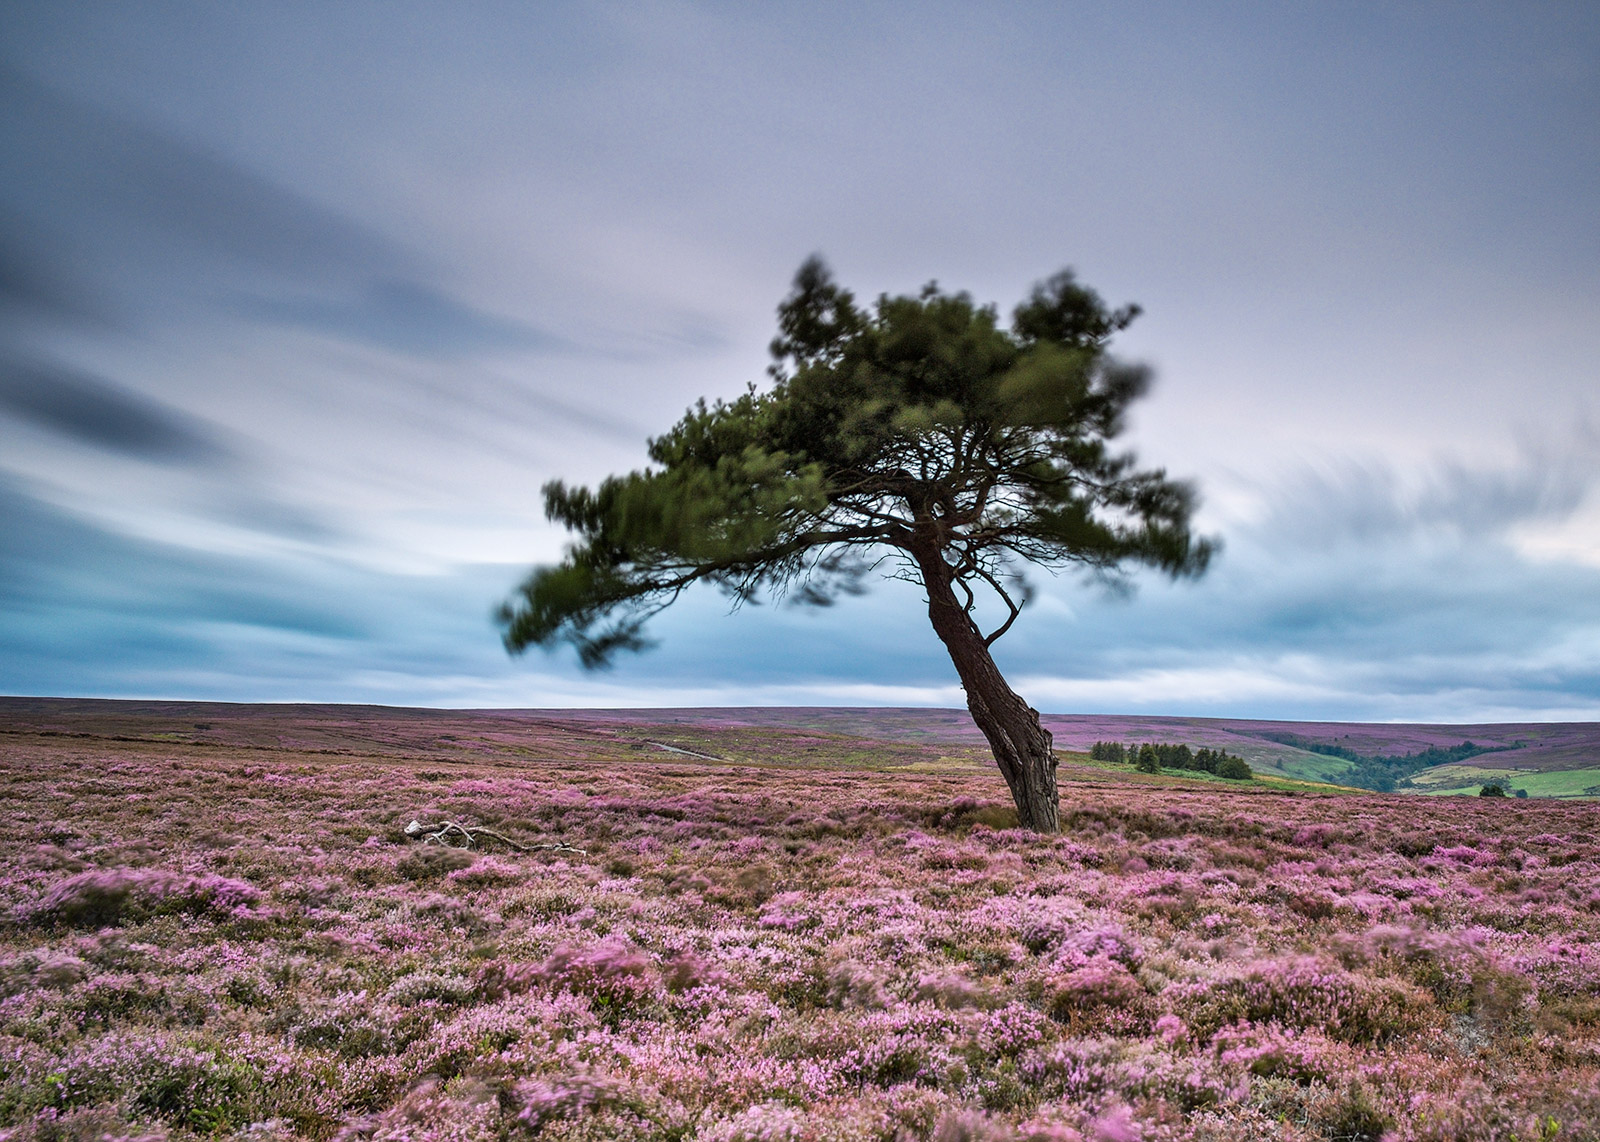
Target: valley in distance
x: 1534, y: 759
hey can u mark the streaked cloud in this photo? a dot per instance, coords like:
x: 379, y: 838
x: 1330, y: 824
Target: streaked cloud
x: 299, y: 310
x: 95, y: 412
x: 408, y: 317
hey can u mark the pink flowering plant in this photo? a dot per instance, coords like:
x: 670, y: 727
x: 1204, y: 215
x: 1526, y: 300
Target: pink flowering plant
x: 236, y: 938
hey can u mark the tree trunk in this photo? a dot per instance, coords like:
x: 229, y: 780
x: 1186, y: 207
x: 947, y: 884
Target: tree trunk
x: 1019, y: 743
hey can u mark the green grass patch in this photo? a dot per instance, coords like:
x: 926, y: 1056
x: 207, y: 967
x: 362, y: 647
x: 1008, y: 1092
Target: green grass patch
x: 1313, y: 767
x: 1459, y: 779
x: 1191, y: 778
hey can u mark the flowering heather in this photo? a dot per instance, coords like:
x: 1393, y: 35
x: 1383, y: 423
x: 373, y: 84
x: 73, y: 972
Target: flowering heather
x: 229, y: 934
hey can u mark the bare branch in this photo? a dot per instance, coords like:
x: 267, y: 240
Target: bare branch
x: 453, y: 836
x: 1015, y: 608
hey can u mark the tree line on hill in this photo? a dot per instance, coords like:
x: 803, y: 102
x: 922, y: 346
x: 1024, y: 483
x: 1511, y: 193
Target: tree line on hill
x: 1153, y: 757
x: 1384, y: 772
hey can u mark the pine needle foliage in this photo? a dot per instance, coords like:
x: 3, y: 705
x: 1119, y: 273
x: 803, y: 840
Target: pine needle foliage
x: 919, y: 437
x: 920, y: 416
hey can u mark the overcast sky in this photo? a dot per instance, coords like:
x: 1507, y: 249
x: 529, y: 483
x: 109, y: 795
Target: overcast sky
x: 300, y: 304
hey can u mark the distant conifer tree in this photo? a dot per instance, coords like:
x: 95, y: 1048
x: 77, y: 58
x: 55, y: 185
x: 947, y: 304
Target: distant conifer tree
x: 1235, y: 769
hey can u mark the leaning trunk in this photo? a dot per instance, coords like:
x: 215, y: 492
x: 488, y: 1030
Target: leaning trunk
x: 1019, y: 743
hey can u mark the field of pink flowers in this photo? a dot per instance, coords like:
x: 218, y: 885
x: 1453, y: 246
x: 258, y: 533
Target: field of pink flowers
x: 241, y: 941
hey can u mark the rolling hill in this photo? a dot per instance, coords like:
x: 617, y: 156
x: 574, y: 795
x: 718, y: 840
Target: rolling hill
x: 1548, y: 759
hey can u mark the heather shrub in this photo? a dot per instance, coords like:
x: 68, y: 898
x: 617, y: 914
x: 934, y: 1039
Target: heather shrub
x: 348, y: 1023
x: 972, y: 1126
x: 1350, y: 1115
x: 423, y: 863
x: 1013, y: 1029
x: 1100, y: 992
x: 789, y: 952
x: 764, y: 1122
x: 613, y: 973
x: 422, y: 986
x: 854, y: 984
x: 431, y: 1111
x: 950, y: 990
x: 684, y: 971
x: 539, y: 1102
x: 1304, y: 992
x: 192, y: 1086
x: 450, y: 913
x: 1304, y: 1056
x: 107, y: 897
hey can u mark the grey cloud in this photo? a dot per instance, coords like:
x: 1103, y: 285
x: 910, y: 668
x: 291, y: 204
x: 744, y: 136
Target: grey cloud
x: 87, y: 610
x: 78, y: 171
x: 408, y: 317
x: 1402, y: 599
x: 1363, y: 502
x: 61, y: 567
x: 104, y: 415
x: 253, y: 511
x: 28, y: 287
x: 117, y: 208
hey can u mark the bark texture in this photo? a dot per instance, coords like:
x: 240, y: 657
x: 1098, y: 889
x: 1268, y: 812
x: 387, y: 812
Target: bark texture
x: 1023, y: 747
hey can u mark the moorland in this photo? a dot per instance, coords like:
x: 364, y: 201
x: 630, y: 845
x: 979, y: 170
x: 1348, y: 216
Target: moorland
x: 781, y: 925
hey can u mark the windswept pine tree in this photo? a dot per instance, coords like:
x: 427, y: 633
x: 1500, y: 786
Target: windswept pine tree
x: 919, y: 435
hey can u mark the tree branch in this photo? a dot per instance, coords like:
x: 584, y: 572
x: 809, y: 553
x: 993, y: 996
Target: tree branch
x: 1014, y: 607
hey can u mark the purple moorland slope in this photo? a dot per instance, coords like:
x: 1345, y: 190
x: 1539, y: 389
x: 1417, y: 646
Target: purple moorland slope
x: 1534, y: 746
x: 213, y: 923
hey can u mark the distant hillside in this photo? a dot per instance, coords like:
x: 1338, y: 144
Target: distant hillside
x: 1546, y: 759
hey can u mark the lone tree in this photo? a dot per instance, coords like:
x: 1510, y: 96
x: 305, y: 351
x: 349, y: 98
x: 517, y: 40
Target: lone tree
x: 918, y: 435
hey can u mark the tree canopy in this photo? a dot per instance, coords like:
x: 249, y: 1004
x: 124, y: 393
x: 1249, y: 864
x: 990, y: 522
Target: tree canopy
x: 919, y: 436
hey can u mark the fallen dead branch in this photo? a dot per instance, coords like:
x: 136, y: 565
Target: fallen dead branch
x: 454, y: 836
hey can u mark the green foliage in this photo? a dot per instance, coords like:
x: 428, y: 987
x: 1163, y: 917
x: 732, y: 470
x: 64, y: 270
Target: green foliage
x: 1383, y: 772
x: 918, y: 423
x: 1353, y: 1118
x: 1153, y: 757
x: 1235, y: 768
x: 1492, y: 789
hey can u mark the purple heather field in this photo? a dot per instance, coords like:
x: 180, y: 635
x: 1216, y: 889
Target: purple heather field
x: 715, y: 926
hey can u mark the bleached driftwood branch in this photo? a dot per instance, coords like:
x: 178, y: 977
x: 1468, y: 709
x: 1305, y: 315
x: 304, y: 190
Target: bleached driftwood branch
x: 454, y: 836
